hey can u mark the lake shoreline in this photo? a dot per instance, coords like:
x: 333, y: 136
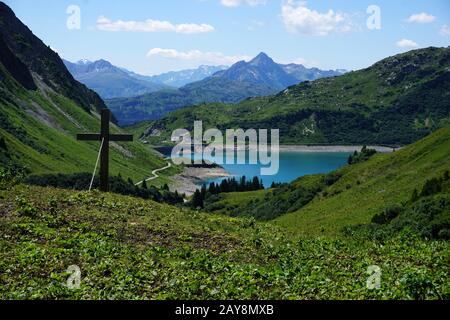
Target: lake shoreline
x: 317, y: 148
x: 337, y: 148
x: 191, y: 178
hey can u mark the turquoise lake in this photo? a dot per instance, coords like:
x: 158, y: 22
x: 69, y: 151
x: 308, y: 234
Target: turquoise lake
x: 292, y: 166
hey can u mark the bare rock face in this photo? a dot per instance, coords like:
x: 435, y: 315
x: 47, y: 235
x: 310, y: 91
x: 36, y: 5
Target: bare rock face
x: 15, y: 67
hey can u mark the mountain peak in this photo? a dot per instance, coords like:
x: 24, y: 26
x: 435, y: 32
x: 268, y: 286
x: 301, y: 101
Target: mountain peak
x: 261, y: 59
x: 262, y: 55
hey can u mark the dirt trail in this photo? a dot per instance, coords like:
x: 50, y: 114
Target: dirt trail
x: 155, y: 173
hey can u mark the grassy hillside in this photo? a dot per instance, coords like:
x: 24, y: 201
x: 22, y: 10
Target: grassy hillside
x: 128, y: 248
x: 39, y: 130
x: 396, y: 101
x: 368, y: 188
x: 323, y: 205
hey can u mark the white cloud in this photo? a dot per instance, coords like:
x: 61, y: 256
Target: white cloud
x: 297, y: 17
x: 422, y: 17
x: 197, y: 55
x: 445, y: 30
x: 150, y: 25
x: 405, y: 43
x: 237, y: 3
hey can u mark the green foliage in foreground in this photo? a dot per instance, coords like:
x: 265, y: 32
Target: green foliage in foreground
x: 129, y: 248
x: 81, y: 181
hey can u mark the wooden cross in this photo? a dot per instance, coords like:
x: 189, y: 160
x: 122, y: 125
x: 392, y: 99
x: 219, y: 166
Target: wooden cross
x: 105, y: 137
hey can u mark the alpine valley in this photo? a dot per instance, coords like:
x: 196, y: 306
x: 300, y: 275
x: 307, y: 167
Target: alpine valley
x: 316, y: 237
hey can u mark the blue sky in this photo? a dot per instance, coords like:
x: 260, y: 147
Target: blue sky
x: 151, y: 37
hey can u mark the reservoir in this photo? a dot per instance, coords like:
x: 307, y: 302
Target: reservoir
x: 293, y: 164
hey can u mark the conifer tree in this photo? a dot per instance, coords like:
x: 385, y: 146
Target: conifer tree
x: 203, y: 192
x: 197, y: 201
x: 212, y: 188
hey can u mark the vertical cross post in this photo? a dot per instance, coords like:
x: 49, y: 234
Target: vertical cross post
x: 104, y: 153
x: 105, y: 137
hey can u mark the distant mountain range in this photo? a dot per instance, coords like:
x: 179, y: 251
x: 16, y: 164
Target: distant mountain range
x: 110, y: 81
x: 259, y: 77
x: 301, y: 73
x: 181, y: 78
